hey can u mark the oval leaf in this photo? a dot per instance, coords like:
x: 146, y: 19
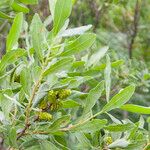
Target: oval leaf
x: 38, y: 34
x: 81, y: 43
x: 136, y: 109
x: 11, y: 57
x: 75, y: 31
x: 119, y: 127
x: 61, y: 14
x: 29, y: 2
x: 59, y: 65
x: 93, y: 96
x: 119, y: 99
x: 19, y: 7
x: 91, y: 126
x: 14, y: 32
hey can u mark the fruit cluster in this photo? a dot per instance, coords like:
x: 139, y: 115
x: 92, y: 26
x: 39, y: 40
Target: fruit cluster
x: 52, y: 102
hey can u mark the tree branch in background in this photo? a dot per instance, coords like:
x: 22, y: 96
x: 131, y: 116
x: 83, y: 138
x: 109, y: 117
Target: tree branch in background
x: 134, y: 27
x: 2, y: 39
x: 97, y: 12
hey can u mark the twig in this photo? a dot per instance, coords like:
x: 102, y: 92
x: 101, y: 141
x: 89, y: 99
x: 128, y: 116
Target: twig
x: 68, y: 128
x: 23, y: 132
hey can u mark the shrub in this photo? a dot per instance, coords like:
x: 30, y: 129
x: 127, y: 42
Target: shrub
x: 47, y: 102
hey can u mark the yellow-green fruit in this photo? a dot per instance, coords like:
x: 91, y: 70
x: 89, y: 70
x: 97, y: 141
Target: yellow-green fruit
x: 108, y: 140
x: 52, y: 96
x: 55, y: 106
x: 43, y: 104
x: 45, y: 116
x: 64, y: 93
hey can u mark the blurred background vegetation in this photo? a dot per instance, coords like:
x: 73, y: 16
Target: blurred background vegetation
x: 122, y: 25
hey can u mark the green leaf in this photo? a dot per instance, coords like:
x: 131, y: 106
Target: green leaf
x: 2, y: 116
x: 52, y: 4
x: 11, y: 57
x: 38, y: 35
x: 12, y: 99
x: 61, y: 14
x: 6, y: 104
x: 119, y: 143
x: 83, y: 140
x: 97, y: 56
x: 14, y: 32
x: 26, y: 81
x: 5, y: 16
x: 19, y: 7
x: 93, y: 96
x: 117, y: 63
x: 81, y: 43
x: 121, y: 98
x: 136, y: 109
x: 69, y: 104
x: 119, y: 127
x: 60, y: 122
x: 59, y: 65
x: 91, y: 126
x: 30, y: 143
x: 47, y: 145
x: 77, y: 64
x: 146, y: 76
x: 12, y: 137
x: 75, y: 31
x: 108, y: 77
x: 115, y: 120
x: 77, y: 81
x: 29, y: 2
x: 137, y: 145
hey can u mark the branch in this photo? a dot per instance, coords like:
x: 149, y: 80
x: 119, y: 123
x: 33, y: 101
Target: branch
x: 35, y: 89
x: 97, y: 12
x: 23, y: 132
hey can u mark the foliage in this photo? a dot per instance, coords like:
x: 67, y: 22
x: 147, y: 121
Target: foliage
x: 56, y: 91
